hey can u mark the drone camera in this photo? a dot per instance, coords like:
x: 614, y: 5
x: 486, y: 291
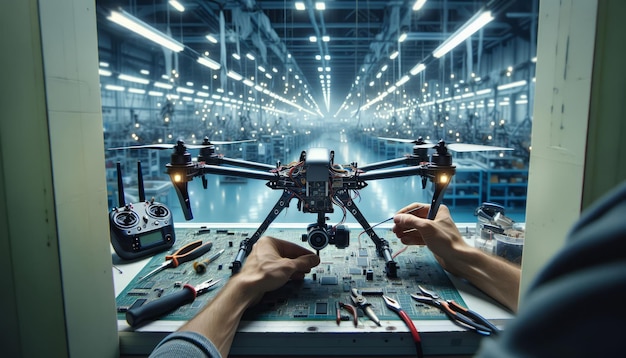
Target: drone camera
x: 319, y: 237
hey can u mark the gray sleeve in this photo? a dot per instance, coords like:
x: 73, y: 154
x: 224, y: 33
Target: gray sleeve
x: 185, y: 344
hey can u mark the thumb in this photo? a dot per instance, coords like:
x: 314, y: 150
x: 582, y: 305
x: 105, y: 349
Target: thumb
x: 304, y: 263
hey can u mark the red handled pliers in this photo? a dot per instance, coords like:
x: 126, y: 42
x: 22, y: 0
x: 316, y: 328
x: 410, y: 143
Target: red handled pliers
x: 395, y: 306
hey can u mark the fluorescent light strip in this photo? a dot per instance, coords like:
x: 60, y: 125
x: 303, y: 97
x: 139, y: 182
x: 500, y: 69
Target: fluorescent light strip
x: 209, y: 63
x: 474, y: 24
x: 418, y: 5
x: 114, y: 88
x: 128, y: 78
x: 163, y: 85
x: 103, y: 72
x: 184, y: 90
x: 132, y: 23
x: 417, y: 69
x: 512, y: 85
x: 155, y: 93
x: 178, y: 6
x: 234, y: 75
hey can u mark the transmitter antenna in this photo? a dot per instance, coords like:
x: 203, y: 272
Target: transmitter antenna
x: 120, y: 186
x: 140, y: 188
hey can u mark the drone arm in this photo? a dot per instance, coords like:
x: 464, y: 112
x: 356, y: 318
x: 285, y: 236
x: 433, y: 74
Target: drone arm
x: 393, y: 173
x: 387, y: 164
x: 382, y: 245
x: 246, y: 164
x: 246, y: 244
x: 238, y: 172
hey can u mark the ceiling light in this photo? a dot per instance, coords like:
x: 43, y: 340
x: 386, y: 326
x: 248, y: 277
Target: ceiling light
x: 163, y: 85
x: 417, y: 69
x: 327, y: 57
x: 132, y: 23
x: 313, y: 38
x: 512, y: 85
x: 128, y: 78
x: 394, y: 55
x: 103, y: 72
x: 250, y: 56
x: 402, y: 37
x: 402, y: 81
x: 236, y: 56
x: 418, y: 5
x: 300, y: 6
x: 209, y: 63
x: 320, y: 6
x: 318, y: 57
x: 176, y: 5
x: 326, y: 38
x: 474, y: 24
x: 211, y: 38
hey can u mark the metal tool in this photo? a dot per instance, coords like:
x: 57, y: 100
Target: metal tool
x: 395, y: 306
x: 349, y: 308
x: 359, y: 300
x: 200, y: 266
x: 186, y: 253
x: 461, y: 316
x: 152, y: 310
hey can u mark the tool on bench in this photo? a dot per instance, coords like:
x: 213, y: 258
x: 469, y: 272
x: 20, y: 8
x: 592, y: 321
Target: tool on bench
x: 349, y: 308
x: 395, y: 306
x: 186, y: 253
x: 152, y: 310
x: 359, y: 300
x: 200, y: 266
x: 461, y: 316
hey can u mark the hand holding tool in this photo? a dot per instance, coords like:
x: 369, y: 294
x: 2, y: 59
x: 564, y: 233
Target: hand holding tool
x: 461, y: 316
x: 166, y: 304
x: 359, y: 300
x: 200, y: 266
x: 186, y: 253
x: 395, y: 306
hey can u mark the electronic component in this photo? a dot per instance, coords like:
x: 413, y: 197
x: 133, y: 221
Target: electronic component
x: 139, y: 229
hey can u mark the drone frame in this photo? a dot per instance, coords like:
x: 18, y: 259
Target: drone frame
x: 311, y: 185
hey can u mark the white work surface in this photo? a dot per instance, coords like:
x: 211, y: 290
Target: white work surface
x: 324, y: 338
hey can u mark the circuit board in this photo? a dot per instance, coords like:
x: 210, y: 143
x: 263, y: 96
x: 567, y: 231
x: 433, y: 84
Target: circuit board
x: 314, y: 298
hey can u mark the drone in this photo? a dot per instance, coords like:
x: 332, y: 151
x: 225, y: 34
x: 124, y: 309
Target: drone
x: 318, y: 184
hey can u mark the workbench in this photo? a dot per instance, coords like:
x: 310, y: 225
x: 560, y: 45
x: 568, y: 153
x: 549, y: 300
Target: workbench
x: 299, y: 319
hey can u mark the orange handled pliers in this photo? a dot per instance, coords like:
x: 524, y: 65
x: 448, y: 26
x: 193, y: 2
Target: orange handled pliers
x: 186, y: 253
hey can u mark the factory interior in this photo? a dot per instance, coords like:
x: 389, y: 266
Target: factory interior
x: 524, y: 96
x: 341, y: 75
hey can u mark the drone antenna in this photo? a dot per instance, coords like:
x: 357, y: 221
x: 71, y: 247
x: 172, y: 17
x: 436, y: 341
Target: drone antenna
x: 120, y: 186
x: 140, y: 189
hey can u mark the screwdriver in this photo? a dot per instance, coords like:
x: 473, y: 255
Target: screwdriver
x: 200, y: 266
x: 186, y: 253
x: 150, y: 311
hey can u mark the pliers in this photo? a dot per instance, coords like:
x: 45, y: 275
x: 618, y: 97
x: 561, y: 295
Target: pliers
x: 395, y: 306
x: 461, y: 316
x: 360, y: 301
x: 349, y: 308
x: 188, y: 252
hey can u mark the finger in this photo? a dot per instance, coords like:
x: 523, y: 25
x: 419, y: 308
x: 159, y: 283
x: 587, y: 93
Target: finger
x: 304, y: 263
x: 290, y: 250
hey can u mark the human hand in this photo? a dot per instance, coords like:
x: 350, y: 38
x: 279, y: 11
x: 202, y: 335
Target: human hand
x: 441, y: 235
x: 272, y: 262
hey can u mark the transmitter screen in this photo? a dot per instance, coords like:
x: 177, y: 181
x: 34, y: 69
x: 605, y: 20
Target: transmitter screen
x: 151, y: 238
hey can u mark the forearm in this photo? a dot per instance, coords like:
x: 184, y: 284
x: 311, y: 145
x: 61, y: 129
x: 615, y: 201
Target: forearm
x: 219, y: 320
x: 496, y: 277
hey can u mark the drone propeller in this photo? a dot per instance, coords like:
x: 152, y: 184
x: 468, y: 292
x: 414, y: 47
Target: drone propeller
x: 456, y: 147
x: 205, y: 143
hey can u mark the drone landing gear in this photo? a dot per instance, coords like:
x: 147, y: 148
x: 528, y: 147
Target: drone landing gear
x: 318, y: 234
x: 382, y: 245
x: 246, y: 244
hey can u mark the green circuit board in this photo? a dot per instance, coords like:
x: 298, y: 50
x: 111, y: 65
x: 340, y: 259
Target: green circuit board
x: 314, y: 298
